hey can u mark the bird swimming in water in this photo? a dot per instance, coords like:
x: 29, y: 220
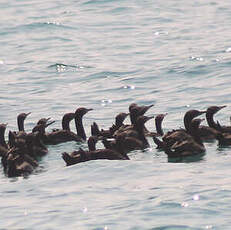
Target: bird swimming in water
x: 3, y: 146
x: 123, y: 144
x: 173, y: 136
x: 64, y: 134
x: 141, y: 110
x: 130, y: 139
x: 17, y: 163
x: 139, y: 127
x: 79, y: 113
x: 210, y: 132
x: 158, y: 123
x: 20, y: 121
x: 134, y: 111
x: 93, y: 154
x: 119, y: 119
x: 224, y: 139
x: 190, y: 145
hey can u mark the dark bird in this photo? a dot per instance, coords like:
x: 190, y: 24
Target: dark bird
x: 173, y: 136
x: 17, y: 163
x: 118, y: 148
x: 64, y: 134
x: 224, y: 139
x: 211, y: 111
x: 141, y: 110
x: 139, y: 127
x: 35, y: 146
x: 43, y: 121
x: 191, y: 145
x: 119, y: 119
x: 93, y: 154
x: 135, y: 111
x: 3, y: 146
x: 79, y: 113
x: 130, y: 139
x: 158, y: 123
x: 20, y: 120
x: 82, y: 156
x: 123, y: 144
x: 92, y: 141
x: 210, y: 132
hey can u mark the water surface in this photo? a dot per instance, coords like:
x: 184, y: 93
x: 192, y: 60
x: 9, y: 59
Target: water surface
x: 57, y: 56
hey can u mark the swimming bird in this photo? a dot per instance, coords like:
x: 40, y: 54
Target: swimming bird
x: 3, y: 146
x: 158, y: 123
x: 123, y: 144
x: 140, y: 110
x: 190, y: 145
x: 93, y: 154
x: 130, y: 139
x: 21, y: 131
x: 64, y: 134
x: 17, y: 163
x: 173, y: 136
x: 43, y: 121
x: 210, y: 132
x: 135, y: 111
x: 118, y: 146
x: 20, y: 121
x: 224, y: 139
x: 79, y: 113
x: 82, y: 156
x: 92, y: 141
x: 35, y: 146
x: 139, y: 127
x: 119, y: 119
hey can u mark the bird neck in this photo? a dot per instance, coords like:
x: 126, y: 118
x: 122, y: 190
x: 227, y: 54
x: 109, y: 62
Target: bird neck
x: 187, y: 123
x: 66, y: 124
x: 118, y: 123
x: 79, y: 127
x: 21, y: 125
x: 91, y: 145
x: 194, y: 132
x: 159, y: 129
x: 210, y: 120
x: 2, y: 138
x: 141, y: 136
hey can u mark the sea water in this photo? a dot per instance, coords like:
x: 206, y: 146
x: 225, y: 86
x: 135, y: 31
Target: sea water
x: 56, y: 56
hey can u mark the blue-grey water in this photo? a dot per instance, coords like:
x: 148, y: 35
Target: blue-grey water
x: 56, y: 56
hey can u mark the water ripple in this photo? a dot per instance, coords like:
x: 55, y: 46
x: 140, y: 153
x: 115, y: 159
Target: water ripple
x: 60, y: 67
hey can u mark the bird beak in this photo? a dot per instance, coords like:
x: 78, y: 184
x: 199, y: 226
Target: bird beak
x: 48, y: 119
x: 50, y: 123
x: 126, y: 114
x: 148, y: 118
x: 221, y: 107
x: 28, y: 114
x: 201, y: 112
x: 87, y: 110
